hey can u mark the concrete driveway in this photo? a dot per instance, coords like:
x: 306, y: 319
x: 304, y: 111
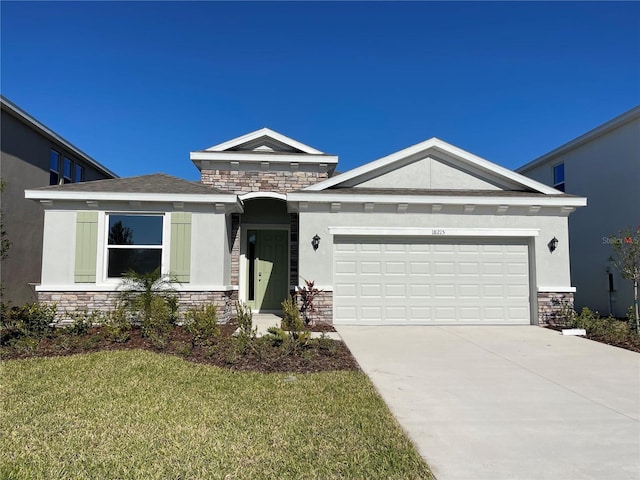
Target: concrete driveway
x: 507, y: 402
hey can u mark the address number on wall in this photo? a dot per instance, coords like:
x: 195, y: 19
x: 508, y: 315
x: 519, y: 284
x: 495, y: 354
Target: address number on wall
x: 438, y: 231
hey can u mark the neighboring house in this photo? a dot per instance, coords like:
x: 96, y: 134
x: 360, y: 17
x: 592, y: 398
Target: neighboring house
x: 428, y: 235
x: 32, y: 156
x: 603, y: 165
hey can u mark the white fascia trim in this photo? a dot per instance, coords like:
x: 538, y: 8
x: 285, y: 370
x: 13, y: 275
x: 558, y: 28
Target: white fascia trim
x: 252, y: 195
x: 556, y: 289
x: 263, y: 132
x: 92, y: 287
x: 436, y: 199
x: 436, y: 144
x: 249, y: 157
x: 131, y: 196
x: 435, y: 231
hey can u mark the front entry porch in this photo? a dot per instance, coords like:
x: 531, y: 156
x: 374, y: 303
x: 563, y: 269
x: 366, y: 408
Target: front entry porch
x: 268, y: 253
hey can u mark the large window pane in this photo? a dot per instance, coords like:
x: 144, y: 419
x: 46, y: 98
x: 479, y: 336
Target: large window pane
x: 79, y: 174
x: 54, y: 167
x: 135, y: 230
x: 141, y: 260
x: 558, y: 174
x: 67, y: 170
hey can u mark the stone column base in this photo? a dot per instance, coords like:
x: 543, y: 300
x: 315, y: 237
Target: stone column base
x: 554, y: 308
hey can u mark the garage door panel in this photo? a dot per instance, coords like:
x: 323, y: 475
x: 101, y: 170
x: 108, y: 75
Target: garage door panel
x: 395, y: 291
x: 419, y: 268
x: 370, y: 268
x: 444, y: 268
x: 345, y: 266
x: 395, y: 268
x: 373, y: 313
x: 373, y: 290
x: 426, y: 280
x: 420, y: 291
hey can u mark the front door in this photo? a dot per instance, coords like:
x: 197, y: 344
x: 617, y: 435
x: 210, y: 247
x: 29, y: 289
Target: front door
x: 267, y: 262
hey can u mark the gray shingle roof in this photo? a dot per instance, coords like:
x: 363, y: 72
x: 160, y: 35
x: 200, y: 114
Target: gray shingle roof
x: 155, y: 183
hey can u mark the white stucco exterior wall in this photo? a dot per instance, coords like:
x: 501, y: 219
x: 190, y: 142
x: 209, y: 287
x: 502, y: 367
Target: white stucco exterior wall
x: 209, y: 250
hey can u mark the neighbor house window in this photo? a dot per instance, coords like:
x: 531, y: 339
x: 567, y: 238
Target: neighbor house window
x: 134, y: 243
x: 78, y: 175
x: 558, y: 177
x: 66, y: 170
x: 54, y: 167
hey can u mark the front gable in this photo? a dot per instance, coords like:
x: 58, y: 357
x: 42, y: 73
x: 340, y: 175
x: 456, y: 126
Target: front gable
x: 429, y: 173
x: 263, y: 161
x: 433, y: 165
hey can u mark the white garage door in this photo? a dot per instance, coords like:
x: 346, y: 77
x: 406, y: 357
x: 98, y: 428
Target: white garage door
x: 399, y: 280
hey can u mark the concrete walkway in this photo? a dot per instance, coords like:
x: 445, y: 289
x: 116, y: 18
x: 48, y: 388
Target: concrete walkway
x: 508, y: 402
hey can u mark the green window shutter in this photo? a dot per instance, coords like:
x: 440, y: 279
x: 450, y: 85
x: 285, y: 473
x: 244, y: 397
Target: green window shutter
x: 86, y: 247
x: 181, y: 246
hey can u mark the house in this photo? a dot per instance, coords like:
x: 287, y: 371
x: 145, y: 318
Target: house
x: 603, y: 165
x: 32, y: 155
x: 428, y: 235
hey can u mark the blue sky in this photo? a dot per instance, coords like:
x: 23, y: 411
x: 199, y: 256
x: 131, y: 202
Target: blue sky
x: 139, y: 85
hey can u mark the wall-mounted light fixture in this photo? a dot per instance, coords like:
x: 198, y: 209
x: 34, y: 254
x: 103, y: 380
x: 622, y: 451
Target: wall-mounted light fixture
x: 553, y: 244
x: 315, y: 242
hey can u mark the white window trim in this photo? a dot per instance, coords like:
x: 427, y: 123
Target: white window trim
x: 102, y: 268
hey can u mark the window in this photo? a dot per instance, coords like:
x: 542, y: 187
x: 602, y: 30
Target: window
x: 134, y: 243
x: 78, y: 174
x: 558, y: 177
x: 54, y: 167
x: 67, y: 168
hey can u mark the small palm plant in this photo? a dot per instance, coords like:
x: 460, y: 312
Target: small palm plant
x: 148, y: 295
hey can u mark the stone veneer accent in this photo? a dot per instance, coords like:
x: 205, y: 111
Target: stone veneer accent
x: 294, y: 232
x: 260, y: 181
x: 104, y: 301
x: 235, y: 249
x: 553, y: 307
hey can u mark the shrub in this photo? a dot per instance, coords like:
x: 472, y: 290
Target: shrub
x: 82, y: 322
x: 326, y: 344
x: 158, y: 324
x: 276, y: 336
x: 202, y: 324
x: 245, y: 319
x: 307, y: 295
x: 30, y: 320
x: 246, y: 335
x: 291, y: 316
x: 608, y: 329
x: 117, y: 324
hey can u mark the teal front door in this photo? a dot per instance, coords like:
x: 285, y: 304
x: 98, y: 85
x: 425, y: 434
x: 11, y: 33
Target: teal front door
x: 267, y: 264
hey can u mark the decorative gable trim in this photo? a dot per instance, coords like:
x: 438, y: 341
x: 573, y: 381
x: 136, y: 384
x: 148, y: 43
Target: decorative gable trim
x: 263, y: 132
x: 435, y: 146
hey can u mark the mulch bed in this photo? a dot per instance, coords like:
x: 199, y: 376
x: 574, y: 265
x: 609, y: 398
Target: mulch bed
x: 258, y: 356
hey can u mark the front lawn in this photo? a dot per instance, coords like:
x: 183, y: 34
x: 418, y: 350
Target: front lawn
x: 139, y: 414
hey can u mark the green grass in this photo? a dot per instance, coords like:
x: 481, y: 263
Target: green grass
x: 137, y: 414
